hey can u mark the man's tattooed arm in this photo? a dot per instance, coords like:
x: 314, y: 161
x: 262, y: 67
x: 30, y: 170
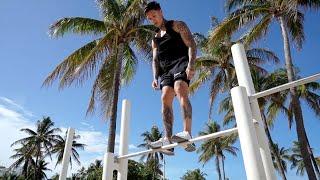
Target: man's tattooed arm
x: 182, y: 28
x: 155, y: 62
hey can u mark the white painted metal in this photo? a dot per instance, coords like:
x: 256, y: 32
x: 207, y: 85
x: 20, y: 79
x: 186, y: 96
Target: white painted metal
x: 285, y: 86
x: 124, y: 139
x: 66, y: 154
x: 200, y: 138
x: 247, y: 135
x: 109, y: 166
x: 245, y: 80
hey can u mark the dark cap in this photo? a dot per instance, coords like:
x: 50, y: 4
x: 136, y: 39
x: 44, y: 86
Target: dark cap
x: 153, y: 5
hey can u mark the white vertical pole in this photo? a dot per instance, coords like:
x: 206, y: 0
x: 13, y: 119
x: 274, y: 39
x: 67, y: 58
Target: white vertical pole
x: 245, y: 80
x: 124, y: 139
x: 108, y: 166
x: 247, y: 135
x: 66, y: 154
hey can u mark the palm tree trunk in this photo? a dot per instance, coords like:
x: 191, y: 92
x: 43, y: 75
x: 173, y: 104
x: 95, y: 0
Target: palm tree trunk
x: 313, y: 159
x: 223, y: 171
x: 277, y: 158
x: 164, y: 168
x: 302, y: 138
x: 218, y: 164
x: 37, y: 162
x: 116, y: 86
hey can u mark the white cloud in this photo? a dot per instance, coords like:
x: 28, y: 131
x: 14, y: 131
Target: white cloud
x: 14, y: 117
x: 11, y: 121
x: 10, y: 103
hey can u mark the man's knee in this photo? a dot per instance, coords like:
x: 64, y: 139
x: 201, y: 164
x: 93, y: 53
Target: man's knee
x: 181, y: 90
x: 167, y: 96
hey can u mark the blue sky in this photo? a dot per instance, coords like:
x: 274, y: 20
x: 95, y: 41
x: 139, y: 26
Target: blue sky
x: 28, y: 55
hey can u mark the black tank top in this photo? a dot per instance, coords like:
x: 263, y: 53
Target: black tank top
x: 170, y: 48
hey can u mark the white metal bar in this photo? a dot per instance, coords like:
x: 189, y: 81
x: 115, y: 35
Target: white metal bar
x: 200, y: 138
x: 66, y: 154
x: 245, y: 80
x: 286, y: 86
x: 124, y: 139
x: 247, y: 135
x: 108, y: 166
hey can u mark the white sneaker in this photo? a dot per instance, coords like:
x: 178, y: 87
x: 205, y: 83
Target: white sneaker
x: 162, y: 142
x: 183, y: 137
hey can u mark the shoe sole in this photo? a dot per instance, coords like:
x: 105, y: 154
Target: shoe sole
x: 164, y: 151
x: 154, y: 147
x: 167, y: 152
x: 188, y: 147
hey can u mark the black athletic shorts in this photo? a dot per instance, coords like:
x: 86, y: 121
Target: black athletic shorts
x: 174, y: 73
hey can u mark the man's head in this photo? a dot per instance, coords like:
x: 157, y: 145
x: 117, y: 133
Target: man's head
x: 154, y: 13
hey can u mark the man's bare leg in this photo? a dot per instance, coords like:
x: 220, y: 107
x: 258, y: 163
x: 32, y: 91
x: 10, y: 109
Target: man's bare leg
x: 167, y: 112
x: 182, y: 91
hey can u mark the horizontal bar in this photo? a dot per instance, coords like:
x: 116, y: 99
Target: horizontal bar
x: 285, y: 86
x: 200, y: 138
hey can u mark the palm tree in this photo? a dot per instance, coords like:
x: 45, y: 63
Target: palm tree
x: 110, y: 57
x: 296, y: 159
x: 94, y: 171
x: 194, y: 175
x: 290, y: 19
x: 272, y: 105
x: 216, y: 65
x: 24, y: 157
x: 81, y: 173
x: 42, y: 167
x: 41, y: 141
x: 306, y: 93
x: 148, y: 137
x: 283, y: 155
x: 59, y: 145
x: 216, y: 147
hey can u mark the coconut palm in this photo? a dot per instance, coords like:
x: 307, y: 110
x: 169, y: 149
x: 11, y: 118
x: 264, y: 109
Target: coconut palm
x: 24, y: 158
x: 290, y: 19
x: 111, y: 58
x: 215, y: 65
x: 272, y: 105
x: 41, y: 141
x: 216, y: 147
x: 283, y: 103
x: 41, y: 168
x: 296, y: 159
x: 94, y: 170
x: 283, y: 155
x: 59, y: 145
x: 148, y: 137
x: 194, y: 175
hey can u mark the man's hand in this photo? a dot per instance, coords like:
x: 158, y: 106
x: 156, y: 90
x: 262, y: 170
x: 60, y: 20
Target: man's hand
x: 155, y: 84
x: 190, y: 73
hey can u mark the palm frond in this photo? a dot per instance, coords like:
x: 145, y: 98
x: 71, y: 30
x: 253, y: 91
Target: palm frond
x: 70, y: 64
x: 77, y: 25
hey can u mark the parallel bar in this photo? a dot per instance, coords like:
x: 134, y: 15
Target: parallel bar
x: 200, y: 138
x: 286, y: 86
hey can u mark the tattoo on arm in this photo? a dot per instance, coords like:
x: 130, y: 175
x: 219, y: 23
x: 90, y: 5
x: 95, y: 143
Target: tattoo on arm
x: 155, y: 62
x: 182, y: 28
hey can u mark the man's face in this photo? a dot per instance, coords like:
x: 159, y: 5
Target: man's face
x: 155, y: 17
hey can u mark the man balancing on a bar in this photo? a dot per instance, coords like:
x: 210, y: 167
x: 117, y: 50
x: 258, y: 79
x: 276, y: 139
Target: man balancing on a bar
x: 174, y: 52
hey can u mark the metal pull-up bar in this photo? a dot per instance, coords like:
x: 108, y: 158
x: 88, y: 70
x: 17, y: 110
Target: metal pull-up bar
x: 200, y: 138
